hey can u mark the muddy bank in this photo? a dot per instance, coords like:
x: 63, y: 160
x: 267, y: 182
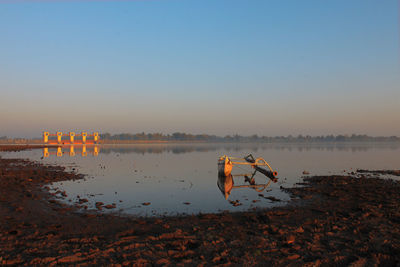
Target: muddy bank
x: 332, y: 220
x: 383, y: 172
x: 13, y: 147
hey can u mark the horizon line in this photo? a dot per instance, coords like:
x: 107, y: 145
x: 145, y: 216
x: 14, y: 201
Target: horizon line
x: 222, y: 136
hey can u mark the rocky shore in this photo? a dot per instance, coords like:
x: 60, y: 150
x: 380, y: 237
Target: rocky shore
x: 332, y: 220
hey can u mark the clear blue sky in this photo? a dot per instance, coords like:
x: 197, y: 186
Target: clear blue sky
x: 206, y: 66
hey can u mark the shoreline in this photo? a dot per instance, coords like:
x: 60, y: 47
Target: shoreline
x: 331, y: 220
x: 135, y: 142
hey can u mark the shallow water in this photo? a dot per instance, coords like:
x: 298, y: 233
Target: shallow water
x: 182, y: 178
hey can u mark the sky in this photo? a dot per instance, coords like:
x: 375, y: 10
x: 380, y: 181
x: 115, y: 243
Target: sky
x: 200, y: 66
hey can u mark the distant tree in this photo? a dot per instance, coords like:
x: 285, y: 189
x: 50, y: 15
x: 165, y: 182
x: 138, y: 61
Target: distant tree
x: 179, y: 136
x: 105, y: 136
x: 228, y: 138
x: 254, y: 137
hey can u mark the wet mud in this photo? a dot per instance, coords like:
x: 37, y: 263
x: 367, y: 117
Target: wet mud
x: 382, y: 172
x: 331, y: 221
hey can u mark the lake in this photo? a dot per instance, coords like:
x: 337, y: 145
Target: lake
x: 182, y: 178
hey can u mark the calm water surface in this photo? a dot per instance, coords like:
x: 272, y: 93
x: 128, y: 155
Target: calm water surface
x: 182, y: 178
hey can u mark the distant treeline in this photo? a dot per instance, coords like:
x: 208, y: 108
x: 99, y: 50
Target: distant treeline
x: 154, y: 137
x: 238, y: 138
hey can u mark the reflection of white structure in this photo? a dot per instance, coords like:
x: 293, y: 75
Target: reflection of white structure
x: 72, y: 151
x: 226, y: 183
x: 84, y: 152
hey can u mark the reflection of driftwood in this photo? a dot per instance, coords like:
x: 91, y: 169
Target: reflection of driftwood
x: 257, y: 187
x: 226, y: 184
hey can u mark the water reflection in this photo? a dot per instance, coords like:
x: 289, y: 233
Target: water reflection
x: 226, y: 183
x: 237, y: 147
x: 71, y: 151
x: 181, y: 177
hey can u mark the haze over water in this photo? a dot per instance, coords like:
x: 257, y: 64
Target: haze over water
x: 182, y: 178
